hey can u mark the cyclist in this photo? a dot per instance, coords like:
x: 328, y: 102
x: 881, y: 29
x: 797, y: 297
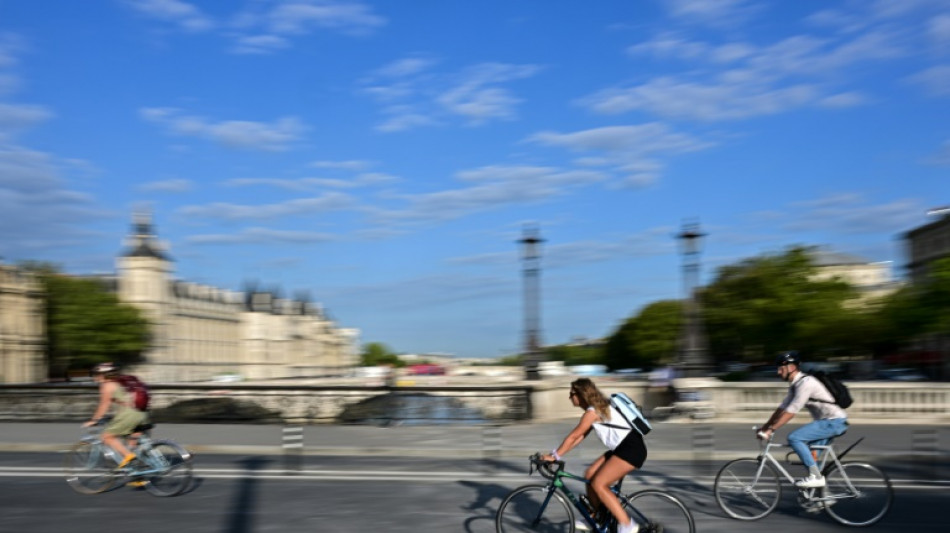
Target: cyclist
x: 626, y: 453
x: 830, y: 420
x: 126, y: 418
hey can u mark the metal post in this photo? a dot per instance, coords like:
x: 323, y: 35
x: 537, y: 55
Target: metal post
x: 692, y: 357
x: 703, y: 444
x: 530, y: 243
x: 293, y: 449
x: 924, y: 445
x: 491, y: 443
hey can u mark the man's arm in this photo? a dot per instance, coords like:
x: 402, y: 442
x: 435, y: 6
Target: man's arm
x: 778, y: 419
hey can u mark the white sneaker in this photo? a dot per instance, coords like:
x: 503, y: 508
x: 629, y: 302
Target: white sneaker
x: 811, y: 482
x: 633, y: 527
x: 581, y: 525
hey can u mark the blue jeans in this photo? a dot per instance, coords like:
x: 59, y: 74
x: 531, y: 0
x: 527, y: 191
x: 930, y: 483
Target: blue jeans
x: 817, y: 432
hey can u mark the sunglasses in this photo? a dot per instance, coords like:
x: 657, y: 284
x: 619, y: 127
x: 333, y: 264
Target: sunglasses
x: 573, y: 393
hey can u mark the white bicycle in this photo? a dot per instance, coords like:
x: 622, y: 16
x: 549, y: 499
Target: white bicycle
x: 855, y: 494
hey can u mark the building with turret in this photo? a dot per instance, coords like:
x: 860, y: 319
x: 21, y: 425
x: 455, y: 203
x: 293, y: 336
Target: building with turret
x: 200, y: 332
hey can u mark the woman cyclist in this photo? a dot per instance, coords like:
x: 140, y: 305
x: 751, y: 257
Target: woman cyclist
x: 626, y: 453
x: 126, y: 417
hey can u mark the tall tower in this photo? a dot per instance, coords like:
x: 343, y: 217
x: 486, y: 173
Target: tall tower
x: 144, y: 274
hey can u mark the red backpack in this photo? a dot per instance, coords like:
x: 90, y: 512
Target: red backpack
x: 137, y: 389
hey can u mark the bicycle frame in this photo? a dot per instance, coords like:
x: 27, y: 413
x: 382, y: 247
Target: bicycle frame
x: 557, y: 484
x: 94, y: 437
x: 828, y: 458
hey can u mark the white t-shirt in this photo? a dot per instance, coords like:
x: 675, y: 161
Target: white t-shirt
x: 803, y: 391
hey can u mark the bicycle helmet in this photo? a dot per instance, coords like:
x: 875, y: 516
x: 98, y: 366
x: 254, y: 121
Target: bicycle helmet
x: 104, y: 368
x: 788, y: 358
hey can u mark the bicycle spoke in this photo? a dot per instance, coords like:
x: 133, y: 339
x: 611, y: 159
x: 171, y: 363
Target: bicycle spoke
x: 533, y: 508
x: 169, y: 469
x: 746, y: 492
x: 88, y: 470
x: 857, y: 494
x: 657, y: 511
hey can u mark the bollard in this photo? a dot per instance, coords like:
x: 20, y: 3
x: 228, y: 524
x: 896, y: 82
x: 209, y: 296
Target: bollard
x: 491, y: 444
x: 293, y: 449
x: 924, y: 445
x: 702, y: 449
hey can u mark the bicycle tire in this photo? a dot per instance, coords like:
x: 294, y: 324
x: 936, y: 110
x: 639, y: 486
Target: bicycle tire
x: 865, y: 505
x: 88, y: 469
x: 524, y: 509
x: 176, y: 469
x: 743, y: 493
x: 657, y: 511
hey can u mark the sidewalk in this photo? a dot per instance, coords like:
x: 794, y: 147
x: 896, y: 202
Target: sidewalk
x: 667, y: 441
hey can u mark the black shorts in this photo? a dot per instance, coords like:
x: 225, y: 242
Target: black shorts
x: 631, y: 449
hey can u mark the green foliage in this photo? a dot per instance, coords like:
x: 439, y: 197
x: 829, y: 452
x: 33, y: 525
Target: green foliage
x: 648, y: 339
x: 774, y: 302
x: 377, y: 353
x: 586, y: 354
x: 86, y: 324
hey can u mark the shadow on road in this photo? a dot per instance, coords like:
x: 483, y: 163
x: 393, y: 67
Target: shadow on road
x: 241, y: 517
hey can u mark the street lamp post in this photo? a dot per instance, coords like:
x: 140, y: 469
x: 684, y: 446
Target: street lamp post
x: 692, y: 357
x: 531, y: 258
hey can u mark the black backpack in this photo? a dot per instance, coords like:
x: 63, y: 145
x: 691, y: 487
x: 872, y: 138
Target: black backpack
x: 839, y: 391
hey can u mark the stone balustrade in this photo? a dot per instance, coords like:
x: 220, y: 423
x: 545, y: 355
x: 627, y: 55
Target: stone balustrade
x: 546, y: 400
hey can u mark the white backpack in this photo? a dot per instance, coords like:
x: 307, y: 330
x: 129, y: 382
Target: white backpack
x: 630, y: 412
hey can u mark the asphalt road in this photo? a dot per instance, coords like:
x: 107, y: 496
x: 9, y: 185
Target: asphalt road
x: 245, y: 494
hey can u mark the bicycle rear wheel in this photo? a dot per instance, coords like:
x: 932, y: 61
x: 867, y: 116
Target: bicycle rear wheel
x: 534, y: 508
x: 88, y: 469
x: 746, y: 493
x: 864, y: 501
x: 659, y: 512
x: 174, y: 463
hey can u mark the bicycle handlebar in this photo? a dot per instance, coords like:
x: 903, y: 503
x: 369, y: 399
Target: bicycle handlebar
x: 544, y: 467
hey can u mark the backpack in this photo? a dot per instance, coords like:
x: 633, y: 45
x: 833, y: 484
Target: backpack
x: 631, y: 412
x: 839, y: 391
x: 137, y: 389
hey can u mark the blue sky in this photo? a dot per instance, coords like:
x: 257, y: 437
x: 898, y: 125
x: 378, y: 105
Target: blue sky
x: 386, y: 156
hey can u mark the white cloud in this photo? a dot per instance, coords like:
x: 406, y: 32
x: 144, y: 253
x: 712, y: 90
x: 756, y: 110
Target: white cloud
x: 298, y: 16
x: 15, y: 117
x: 185, y: 15
x: 302, y: 206
x: 711, y: 12
x: 852, y: 213
x: 942, y: 157
x: 353, y: 164
x: 259, y: 44
x: 259, y: 235
x: 275, y: 136
x: 939, y: 30
x: 935, y: 80
x: 306, y: 184
x: 175, y: 185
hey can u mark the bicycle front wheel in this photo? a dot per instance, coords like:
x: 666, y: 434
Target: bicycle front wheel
x: 173, y: 465
x: 745, y: 491
x: 88, y: 469
x: 534, y: 508
x: 857, y: 494
x: 659, y: 512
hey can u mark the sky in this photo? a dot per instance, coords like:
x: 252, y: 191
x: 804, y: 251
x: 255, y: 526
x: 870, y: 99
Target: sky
x: 384, y: 158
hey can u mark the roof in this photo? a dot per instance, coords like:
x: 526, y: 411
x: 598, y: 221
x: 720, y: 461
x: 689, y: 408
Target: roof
x: 823, y: 258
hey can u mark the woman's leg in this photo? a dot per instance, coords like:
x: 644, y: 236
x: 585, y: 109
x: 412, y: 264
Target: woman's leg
x: 114, y: 442
x: 589, y: 474
x: 608, y: 474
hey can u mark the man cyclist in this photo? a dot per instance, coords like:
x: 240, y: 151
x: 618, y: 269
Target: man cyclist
x: 126, y: 418
x: 830, y: 420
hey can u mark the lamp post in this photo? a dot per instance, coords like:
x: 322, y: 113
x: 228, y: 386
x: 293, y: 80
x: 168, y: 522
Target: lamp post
x: 531, y: 259
x: 692, y: 357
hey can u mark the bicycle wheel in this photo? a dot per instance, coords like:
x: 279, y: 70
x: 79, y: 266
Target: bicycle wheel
x: 88, y: 469
x: 863, y: 501
x: 659, y: 512
x: 534, y: 508
x: 746, y: 492
x: 174, y: 465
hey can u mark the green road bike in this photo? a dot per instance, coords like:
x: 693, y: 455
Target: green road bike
x: 551, y: 507
x: 855, y: 494
x: 163, y: 467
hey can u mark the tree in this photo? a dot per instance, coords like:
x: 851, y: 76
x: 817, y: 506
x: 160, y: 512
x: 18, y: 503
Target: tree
x: 775, y: 302
x: 86, y: 324
x: 648, y: 339
x: 377, y: 353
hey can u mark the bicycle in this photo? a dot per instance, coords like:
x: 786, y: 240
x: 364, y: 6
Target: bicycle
x: 855, y: 494
x: 163, y: 466
x: 550, y: 507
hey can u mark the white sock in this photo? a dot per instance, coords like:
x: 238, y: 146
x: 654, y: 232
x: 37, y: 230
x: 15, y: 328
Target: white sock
x: 813, y: 470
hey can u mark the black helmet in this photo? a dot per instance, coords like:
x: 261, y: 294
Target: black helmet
x: 104, y: 368
x: 788, y: 358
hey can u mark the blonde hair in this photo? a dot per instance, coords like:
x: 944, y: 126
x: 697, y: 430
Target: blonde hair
x: 590, y: 396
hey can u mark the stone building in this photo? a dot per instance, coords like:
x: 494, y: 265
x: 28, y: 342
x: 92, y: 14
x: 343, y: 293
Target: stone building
x: 927, y: 243
x: 871, y: 279
x: 22, y: 327
x: 200, y: 332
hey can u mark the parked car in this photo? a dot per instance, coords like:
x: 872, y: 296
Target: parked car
x: 900, y: 374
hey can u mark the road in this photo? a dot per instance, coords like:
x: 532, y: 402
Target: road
x: 254, y: 494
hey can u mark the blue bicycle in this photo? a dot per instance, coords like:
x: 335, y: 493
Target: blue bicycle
x: 550, y: 507
x: 163, y: 467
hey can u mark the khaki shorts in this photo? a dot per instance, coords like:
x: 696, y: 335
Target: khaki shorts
x: 125, y: 421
